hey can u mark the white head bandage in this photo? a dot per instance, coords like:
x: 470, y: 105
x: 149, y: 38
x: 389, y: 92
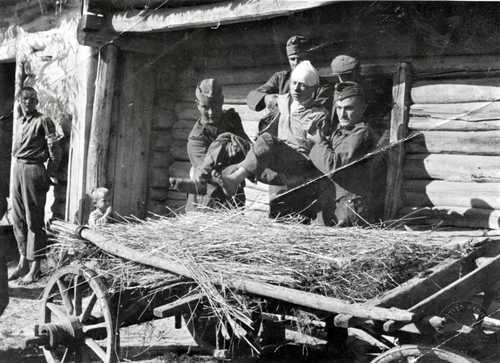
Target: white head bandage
x: 305, y: 73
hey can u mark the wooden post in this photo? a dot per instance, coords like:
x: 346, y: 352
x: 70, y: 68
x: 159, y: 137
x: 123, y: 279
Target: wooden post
x: 399, y: 128
x: 97, y: 160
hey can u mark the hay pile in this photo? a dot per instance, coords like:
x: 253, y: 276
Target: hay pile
x: 353, y: 264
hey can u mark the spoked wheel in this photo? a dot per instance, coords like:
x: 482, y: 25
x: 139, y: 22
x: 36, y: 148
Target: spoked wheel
x: 421, y: 354
x: 77, y: 322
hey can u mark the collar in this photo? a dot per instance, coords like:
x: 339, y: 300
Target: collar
x: 348, y: 129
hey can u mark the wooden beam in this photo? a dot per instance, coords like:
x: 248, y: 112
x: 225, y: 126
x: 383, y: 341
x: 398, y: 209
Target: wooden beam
x: 458, y: 168
x: 438, y: 124
x: 467, y: 111
x: 455, y: 142
x: 398, y: 131
x: 97, y: 160
x: 184, y: 304
x: 203, y: 16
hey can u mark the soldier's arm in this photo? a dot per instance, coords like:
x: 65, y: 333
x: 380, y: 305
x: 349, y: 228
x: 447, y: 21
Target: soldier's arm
x: 326, y: 158
x: 53, y: 146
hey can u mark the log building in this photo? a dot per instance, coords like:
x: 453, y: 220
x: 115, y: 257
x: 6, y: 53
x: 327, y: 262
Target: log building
x: 433, y: 66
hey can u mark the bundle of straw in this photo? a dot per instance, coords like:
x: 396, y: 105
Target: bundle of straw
x: 353, y: 264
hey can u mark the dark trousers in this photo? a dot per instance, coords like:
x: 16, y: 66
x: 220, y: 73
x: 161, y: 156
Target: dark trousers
x: 274, y: 162
x: 28, y: 193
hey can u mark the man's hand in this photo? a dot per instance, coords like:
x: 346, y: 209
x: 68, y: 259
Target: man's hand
x: 271, y: 101
x: 316, y: 137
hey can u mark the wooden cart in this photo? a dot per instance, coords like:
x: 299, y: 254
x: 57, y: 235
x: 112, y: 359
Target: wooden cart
x: 81, y: 319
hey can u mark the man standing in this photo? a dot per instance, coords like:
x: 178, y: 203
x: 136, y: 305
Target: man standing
x: 216, y: 141
x: 352, y: 139
x: 346, y: 69
x: 283, y: 159
x: 35, y: 142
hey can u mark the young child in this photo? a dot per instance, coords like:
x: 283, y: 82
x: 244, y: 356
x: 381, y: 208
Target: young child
x: 102, y: 202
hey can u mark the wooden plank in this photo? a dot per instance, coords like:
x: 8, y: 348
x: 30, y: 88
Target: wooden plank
x: 456, y: 142
x: 158, y: 178
x: 184, y: 304
x: 97, y: 159
x: 134, y: 136
x: 181, y: 129
x: 442, y: 124
x: 228, y: 12
x: 429, y: 193
x: 398, y: 131
x: 164, y: 119
x: 468, y: 111
x: 233, y: 93
x: 456, y: 90
x: 453, y: 216
x: 80, y: 135
x: 180, y: 169
x: 178, y: 150
x: 161, y: 139
x: 451, y: 167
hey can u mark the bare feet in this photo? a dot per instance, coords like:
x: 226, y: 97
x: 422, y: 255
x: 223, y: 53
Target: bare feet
x: 33, y: 274
x: 20, y: 270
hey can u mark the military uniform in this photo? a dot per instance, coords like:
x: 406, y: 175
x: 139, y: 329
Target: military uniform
x: 213, y: 147
x: 353, y: 185
x: 35, y: 142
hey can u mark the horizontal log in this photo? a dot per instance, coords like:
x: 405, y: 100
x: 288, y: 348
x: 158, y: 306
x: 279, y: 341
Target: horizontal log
x: 179, y: 150
x: 453, y: 216
x: 471, y: 111
x: 456, y: 90
x: 459, y: 168
x: 181, y: 129
x: 201, y: 16
x: 175, y: 195
x: 250, y: 75
x: 425, y: 193
x: 455, y: 142
x: 158, y: 178
x: 441, y: 124
x: 164, y: 119
x: 161, y: 139
x: 180, y: 169
x: 160, y: 159
x: 158, y: 193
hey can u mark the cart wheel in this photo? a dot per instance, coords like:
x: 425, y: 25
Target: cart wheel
x: 77, y: 322
x: 421, y: 354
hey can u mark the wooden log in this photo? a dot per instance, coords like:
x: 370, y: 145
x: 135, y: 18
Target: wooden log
x: 160, y: 159
x: 158, y: 177
x: 181, y: 129
x: 455, y: 142
x: 471, y: 111
x: 178, y: 150
x: 442, y: 124
x: 291, y: 296
x: 458, y: 168
x: 161, y: 140
x: 164, y: 119
x: 180, y: 169
x: 426, y: 193
x: 200, y: 16
x: 97, y: 160
x: 159, y: 194
x: 456, y: 90
x: 398, y: 131
x: 183, y: 305
x: 233, y: 93
x: 80, y: 134
x: 454, y: 216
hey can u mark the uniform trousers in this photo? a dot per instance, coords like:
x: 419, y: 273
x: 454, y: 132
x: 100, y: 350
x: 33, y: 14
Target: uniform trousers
x: 273, y: 161
x: 30, y: 184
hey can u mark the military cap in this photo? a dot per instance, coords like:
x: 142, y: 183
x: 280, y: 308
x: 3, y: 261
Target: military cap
x: 209, y: 90
x: 345, y: 90
x: 344, y: 64
x: 296, y: 44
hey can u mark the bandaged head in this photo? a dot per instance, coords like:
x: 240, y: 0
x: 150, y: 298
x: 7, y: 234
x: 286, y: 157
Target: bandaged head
x: 306, y: 74
x: 209, y: 91
x: 296, y: 45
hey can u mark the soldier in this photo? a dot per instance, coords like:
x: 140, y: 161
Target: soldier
x: 216, y: 141
x: 346, y: 69
x: 352, y: 139
x: 35, y: 142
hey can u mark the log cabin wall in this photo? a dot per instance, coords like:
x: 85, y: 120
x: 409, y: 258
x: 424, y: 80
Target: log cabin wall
x: 453, y: 167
